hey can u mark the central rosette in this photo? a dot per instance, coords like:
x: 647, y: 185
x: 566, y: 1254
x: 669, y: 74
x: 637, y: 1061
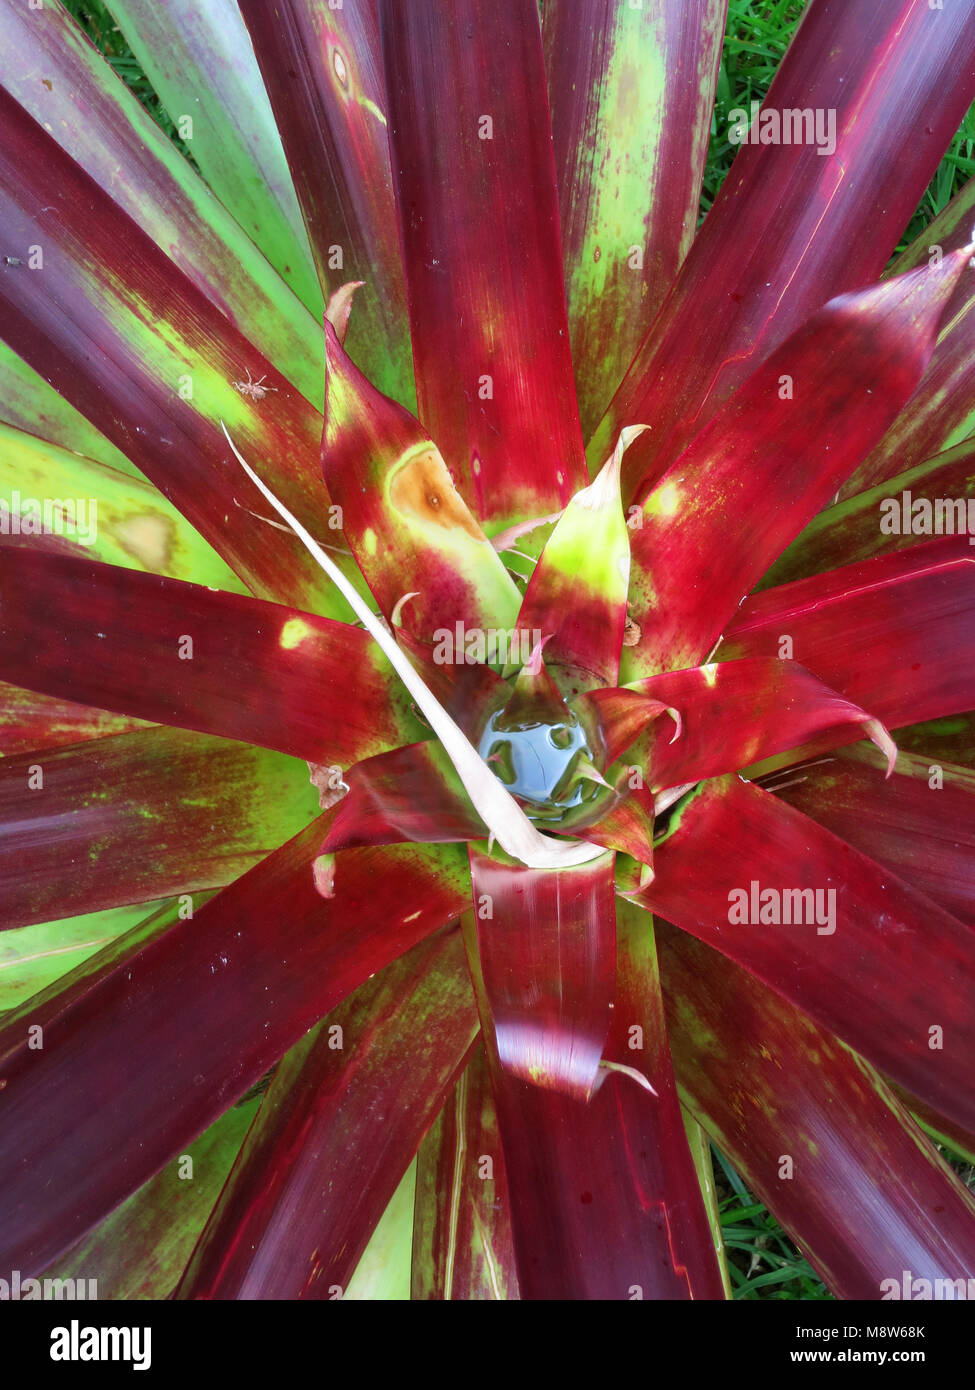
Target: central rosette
x: 544, y: 764
x: 542, y: 752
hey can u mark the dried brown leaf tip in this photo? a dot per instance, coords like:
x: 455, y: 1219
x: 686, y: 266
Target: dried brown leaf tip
x: 327, y: 777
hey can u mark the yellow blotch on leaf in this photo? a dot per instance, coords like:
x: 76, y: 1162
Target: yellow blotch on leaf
x: 294, y: 631
x: 664, y: 500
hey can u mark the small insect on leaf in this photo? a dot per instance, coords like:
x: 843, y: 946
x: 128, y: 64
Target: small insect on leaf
x: 253, y: 390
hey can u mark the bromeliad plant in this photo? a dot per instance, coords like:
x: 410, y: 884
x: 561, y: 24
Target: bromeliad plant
x: 615, y: 850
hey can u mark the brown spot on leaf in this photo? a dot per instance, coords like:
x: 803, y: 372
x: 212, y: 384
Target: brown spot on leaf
x: 632, y: 633
x: 147, y: 538
x: 327, y: 778
x: 422, y: 488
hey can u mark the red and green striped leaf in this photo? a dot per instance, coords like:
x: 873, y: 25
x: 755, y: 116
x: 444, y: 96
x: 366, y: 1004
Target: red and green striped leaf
x: 630, y: 88
x: 793, y: 227
x: 576, y: 597
x: 935, y: 498
x: 29, y: 721
x: 54, y: 500
x: 137, y: 816
x: 70, y: 89
x: 186, y: 49
x: 33, y: 957
x: 30, y: 403
x: 462, y: 1237
x: 339, y: 1125
x: 409, y: 528
x: 148, y: 1043
x: 323, y: 71
x: 149, y: 360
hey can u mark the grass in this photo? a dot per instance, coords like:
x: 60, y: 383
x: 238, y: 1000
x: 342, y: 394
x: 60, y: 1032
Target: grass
x: 763, y: 1262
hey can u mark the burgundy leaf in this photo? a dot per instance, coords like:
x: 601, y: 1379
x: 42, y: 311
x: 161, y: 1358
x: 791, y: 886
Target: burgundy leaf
x: 813, y: 1131
x: 870, y: 958
x: 479, y: 221
x: 337, y: 1130
x: 182, y: 654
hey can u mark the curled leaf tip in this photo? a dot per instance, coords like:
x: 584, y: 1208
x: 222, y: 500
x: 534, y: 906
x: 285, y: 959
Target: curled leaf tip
x: 397, y: 613
x: 533, y: 666
x: 678, y: 722
x: 339, y: 307
x: 878, y: 734
x: 631, y: 1072
x: 605, y: 487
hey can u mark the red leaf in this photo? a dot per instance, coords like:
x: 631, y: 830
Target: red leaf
x: 548, y: 953
x: 877, y: 963
x: 254, y: 671
x: 940, y: 411
x: 410, y: 794
x: 731, y: 714
x: 479, y: 222
x: 604, y: 1195
x: 50, y: 66
x: 893, y: 634
x: 921, y: 823
x: 775, y: 461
